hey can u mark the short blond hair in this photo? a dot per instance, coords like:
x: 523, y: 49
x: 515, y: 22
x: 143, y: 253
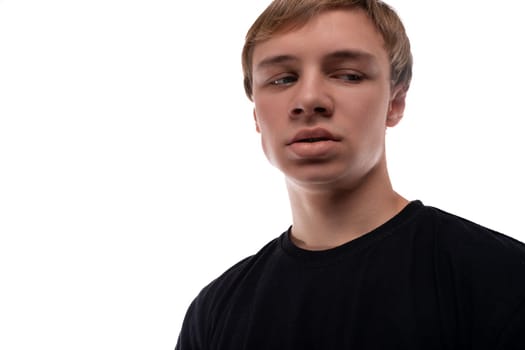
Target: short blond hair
x: 290, y: 14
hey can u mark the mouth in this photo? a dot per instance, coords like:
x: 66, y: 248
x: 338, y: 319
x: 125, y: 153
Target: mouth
x: 313, y: 139
x: 312, y: 136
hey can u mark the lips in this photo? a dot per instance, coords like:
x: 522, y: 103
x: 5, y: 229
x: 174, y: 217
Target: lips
x: 313, y: 135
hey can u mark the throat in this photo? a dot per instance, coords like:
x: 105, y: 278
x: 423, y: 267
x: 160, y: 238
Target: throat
x: 326, y: 222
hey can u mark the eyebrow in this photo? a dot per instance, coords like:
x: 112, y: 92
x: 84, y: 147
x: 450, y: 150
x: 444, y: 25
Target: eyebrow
x: 353, y: 55
x: 275, y: 60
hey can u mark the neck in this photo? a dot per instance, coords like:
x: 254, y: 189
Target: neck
x: 327, y: 218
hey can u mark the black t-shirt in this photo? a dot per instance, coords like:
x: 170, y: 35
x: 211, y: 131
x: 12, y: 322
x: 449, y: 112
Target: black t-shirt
x: 425, y: 279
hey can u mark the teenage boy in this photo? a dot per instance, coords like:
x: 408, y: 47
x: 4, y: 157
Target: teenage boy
x: 361, y: 267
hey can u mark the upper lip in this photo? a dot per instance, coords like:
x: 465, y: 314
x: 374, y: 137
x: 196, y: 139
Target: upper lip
x: 317, y: 133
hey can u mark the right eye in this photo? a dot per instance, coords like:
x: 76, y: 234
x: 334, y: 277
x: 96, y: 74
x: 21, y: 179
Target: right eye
x: 287, y: 80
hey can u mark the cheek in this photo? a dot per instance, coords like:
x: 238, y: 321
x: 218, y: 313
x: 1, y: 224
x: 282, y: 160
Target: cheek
x: 267, y: 130
x: 273, y: 141
x: 369, y: 108
x: 364, y: 120
x: 270, y: 117
x: 269, y: 146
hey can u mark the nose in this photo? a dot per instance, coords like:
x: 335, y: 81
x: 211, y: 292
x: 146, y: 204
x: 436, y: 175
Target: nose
x: 311, y: 99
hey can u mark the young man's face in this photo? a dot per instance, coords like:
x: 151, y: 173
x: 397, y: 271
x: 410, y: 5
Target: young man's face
x: 323, y: 99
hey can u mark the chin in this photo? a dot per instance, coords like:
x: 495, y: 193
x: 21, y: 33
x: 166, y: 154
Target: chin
x: 318, y: 179
x: 335, y: 176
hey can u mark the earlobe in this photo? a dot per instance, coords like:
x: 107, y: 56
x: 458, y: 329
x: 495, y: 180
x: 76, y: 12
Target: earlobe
x: 256, y: 122
x: 396, y: 108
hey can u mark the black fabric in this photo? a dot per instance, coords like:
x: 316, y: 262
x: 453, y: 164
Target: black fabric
x: 426, y: 279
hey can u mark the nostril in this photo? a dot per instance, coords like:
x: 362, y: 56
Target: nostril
x: 297, y: 111
x: 309, y: 112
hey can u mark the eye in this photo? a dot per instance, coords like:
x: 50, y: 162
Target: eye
x: 351, y: 77
x: 287, y: 80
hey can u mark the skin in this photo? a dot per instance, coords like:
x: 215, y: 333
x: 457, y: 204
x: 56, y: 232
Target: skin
x: 332, y: 74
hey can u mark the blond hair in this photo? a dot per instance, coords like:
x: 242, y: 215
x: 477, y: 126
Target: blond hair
x: 283, y: 15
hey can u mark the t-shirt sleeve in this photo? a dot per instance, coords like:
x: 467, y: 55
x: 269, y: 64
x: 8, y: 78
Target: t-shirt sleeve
x: 192, y: 334
x: 198, y: 325
x: 513, y: 336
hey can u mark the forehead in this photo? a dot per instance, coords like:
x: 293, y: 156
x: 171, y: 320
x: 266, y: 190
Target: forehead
x: 327, y: 32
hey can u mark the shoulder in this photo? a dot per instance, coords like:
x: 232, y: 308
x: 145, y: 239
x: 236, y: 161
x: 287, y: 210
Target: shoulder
x: 480, y: 268
x: 200, y: 319
x: 456, y: 234
x: 486, y: 265
x: 470, y: 246
x: 459, y: 238
x: 222, y: 287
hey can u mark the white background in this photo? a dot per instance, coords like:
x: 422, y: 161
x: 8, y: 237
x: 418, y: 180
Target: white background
x: 131, y: 174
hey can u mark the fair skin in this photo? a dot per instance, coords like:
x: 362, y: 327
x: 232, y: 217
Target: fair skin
x: 323, y: 100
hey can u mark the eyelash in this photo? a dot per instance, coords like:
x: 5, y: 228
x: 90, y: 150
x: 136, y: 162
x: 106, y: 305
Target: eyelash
x: 289, y: 79
x: 353, y: 77
x: 280, y: 81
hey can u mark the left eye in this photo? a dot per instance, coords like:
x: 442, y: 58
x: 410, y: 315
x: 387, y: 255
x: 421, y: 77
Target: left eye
x: 350, y: 77
x: 283, y: 81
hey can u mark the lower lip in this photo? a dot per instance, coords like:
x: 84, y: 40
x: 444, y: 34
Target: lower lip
x: 312, y: 150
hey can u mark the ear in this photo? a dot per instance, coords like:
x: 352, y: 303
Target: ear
x: 396, y: 107
x: 256, y: 121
